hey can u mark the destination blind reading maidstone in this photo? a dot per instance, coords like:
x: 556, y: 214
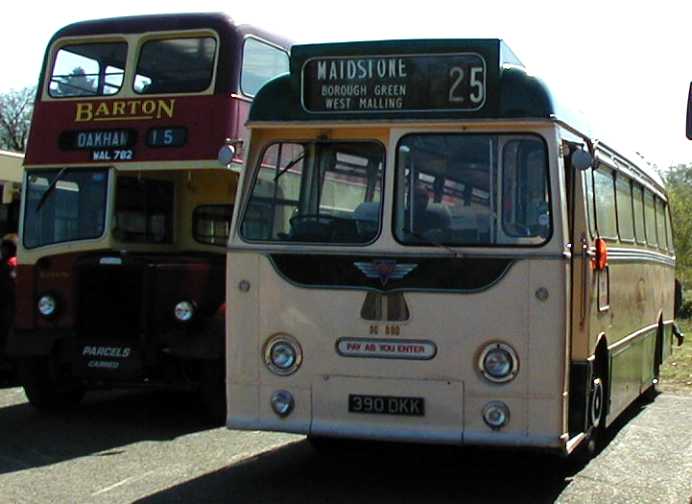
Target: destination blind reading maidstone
x: 395, y: 83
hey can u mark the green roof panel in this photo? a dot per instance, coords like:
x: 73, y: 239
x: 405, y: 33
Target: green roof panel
x: 403, y: 79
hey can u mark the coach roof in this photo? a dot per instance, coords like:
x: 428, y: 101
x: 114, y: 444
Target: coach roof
x: 510, y: 91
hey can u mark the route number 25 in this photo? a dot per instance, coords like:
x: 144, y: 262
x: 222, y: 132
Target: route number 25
x: 475, y: 83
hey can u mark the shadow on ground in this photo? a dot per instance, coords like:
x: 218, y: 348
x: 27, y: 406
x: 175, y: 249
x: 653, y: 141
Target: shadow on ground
x: 383, y: 473
x: 101, y: 424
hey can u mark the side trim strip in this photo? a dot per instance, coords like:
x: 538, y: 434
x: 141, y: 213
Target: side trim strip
x: 615, y: 347
x: 637, y: 255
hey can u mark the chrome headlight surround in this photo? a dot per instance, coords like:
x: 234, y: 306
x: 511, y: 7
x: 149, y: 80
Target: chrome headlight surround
x: 498, y: 363
x: 47, y: 305
x: 283, y: 354
x: 184, y: 311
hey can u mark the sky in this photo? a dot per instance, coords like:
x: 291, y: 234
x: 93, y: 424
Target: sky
x: 626, y: 66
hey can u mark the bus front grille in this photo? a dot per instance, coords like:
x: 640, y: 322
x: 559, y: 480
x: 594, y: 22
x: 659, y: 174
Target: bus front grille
x: 110, y: 303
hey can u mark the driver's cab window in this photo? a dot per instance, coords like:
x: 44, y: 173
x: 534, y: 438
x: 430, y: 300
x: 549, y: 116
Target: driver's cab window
x: 318, y: 192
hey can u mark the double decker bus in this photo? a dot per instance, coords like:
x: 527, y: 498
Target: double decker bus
x: 427, y: 248
x: 131, y: 171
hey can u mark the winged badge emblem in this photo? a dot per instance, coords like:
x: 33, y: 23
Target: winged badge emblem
x: 385, y: 269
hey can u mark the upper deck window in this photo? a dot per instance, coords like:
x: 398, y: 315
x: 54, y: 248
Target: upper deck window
x: 183, y: 65
x: 261, y: 63
x: 317, y: 192
x: 94, y: 69
x: 470, y: 189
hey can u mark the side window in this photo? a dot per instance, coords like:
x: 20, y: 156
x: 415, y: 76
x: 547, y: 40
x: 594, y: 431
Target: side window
x: 650, y: 218
x: 638, y: 204
x: 669, y: 230
x: 211, y: 224
x: 88, y: 70
x: 261, y: 63
x: 604, y: 190
x: 623, y: 189
x: 661, y: 223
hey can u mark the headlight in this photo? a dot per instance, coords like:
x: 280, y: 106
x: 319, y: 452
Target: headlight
x: 47, y: 305
x: 496, y: 414
x: 282, y: 354
x: 498, y: 363
x: 184, y: 311
x: 282, y: 403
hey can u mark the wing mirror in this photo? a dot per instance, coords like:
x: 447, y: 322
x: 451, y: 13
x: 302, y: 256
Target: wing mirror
x: 228, y: 151
x: 581, y: 159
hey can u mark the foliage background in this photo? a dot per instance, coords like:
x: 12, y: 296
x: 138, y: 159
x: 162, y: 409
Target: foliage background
x: 16, y: 108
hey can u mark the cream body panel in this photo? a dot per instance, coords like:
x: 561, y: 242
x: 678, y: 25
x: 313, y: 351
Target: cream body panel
x: 318, y: 318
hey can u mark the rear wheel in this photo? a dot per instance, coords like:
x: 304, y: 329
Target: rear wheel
x: 45, y: 389
x: 598, y: 397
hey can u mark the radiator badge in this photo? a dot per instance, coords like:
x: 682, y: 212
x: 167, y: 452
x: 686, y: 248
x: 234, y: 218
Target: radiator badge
x: 385, y: 269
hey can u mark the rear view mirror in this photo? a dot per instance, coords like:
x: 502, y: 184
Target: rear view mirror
x: 689, y: 113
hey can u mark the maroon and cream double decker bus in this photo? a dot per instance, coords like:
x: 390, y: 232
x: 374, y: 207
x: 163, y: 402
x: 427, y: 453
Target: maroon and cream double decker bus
x: 130, y: 177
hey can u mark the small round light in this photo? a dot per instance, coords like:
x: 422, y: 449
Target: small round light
x: 47, y: 305
x: 282, y: 354
x: 184, y: 311
x: 496, y: 414
x: 498, y: 363
x: 282, y: 403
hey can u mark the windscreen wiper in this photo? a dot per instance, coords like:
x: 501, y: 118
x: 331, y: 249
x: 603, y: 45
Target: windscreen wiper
x: 428, y: 241
x: 289, y: 166
x: 50, y: 188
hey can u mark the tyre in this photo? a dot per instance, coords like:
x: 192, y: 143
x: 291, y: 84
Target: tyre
x: 44, y: 389
x: 649, y: 395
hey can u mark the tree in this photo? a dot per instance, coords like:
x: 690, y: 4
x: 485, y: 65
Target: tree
x: 16, y: 108
x: 76, y: 83
x: 678, y: 181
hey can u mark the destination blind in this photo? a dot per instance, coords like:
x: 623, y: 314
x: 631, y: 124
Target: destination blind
x: 394, y: 83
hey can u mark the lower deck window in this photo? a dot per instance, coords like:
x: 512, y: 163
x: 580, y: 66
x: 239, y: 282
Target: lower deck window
x: 212, y: 223
x: 64, y: 205
x: 144, y: 210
